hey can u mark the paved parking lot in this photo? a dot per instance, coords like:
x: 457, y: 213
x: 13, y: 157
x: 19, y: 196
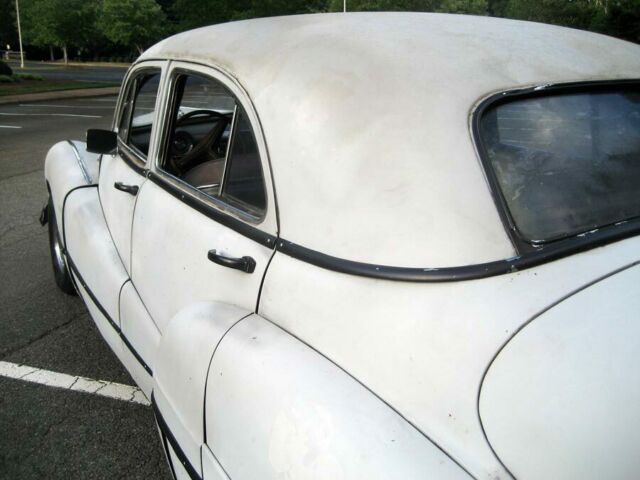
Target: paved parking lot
x: 45, y: 431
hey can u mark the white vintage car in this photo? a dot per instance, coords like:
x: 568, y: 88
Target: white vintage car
x: 370, y: 246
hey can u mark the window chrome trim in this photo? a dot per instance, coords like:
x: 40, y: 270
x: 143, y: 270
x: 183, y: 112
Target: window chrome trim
x: 214, y: 207
x: 80, y: 161
x: 134, y: 157
x: 131, y: 157
x: 221, y: 212
x: 232, y: 136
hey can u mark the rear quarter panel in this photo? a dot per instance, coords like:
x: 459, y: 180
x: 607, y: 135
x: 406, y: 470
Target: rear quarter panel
x: 277, y: 409
x: 424, y: 347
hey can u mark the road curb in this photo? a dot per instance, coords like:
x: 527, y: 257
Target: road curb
x: 59, y: 94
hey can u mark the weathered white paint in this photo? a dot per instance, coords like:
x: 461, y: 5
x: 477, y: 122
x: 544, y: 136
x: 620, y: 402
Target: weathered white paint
x: 63, y: 173
x: 118, y: 206
x: 168, y: 283
x: 184, y: 356
x: 424, y: 348
x: 276, y: 409
x: 366, y: 117
x: 141, y: 332
x: 76, y: 383
x: 366, y: 123
x: 91, y: 248
x: 562, y: 399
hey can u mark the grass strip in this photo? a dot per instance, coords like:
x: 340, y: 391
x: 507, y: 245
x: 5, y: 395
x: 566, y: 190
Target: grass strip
x: 38, y: 86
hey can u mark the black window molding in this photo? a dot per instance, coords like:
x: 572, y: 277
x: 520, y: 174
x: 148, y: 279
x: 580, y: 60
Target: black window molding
x: 568, y: 244
x: 202, y: 203
x: 248, y: 212
x: 132, y: 158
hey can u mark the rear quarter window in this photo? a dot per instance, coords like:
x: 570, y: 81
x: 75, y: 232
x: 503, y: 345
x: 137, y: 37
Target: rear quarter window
x: 565, y: 162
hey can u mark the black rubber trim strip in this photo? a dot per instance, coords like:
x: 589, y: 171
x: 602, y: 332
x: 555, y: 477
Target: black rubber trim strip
x: 164, y: 428
x: 522, y: 244
x: 233, y: 223
x: 99, y: 306
x: 165, y: 446
x: 467, y: 272
x: 64, y: 203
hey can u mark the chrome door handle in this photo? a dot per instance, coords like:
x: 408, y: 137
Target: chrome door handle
x: 244, y: 264
x: 130, y: 189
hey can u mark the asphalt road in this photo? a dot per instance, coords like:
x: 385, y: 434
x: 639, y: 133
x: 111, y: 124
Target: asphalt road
x: 52, y: 71
x: 47, y: 432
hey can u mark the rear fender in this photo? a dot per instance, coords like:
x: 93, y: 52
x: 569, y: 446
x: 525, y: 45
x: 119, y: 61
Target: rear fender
x: 180, y: 373
x: 276, y: 408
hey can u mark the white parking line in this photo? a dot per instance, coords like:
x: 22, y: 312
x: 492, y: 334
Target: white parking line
x: 48, y: 115
x: 114, y: 390
x: 63, y: 106
x: 9, y: 126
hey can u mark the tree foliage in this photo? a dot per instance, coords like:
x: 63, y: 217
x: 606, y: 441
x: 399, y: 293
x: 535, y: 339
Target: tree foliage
x: 192, y: 14
x: 8, y: 32
x: 60, y: 23
x: 135, y: 23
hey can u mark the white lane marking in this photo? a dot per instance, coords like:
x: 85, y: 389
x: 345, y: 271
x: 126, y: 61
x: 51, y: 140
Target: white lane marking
x: 111, y: 100
x: 114, y: 390
x: 48, y: 115
x: 63, y: 106
x: 9, y: 126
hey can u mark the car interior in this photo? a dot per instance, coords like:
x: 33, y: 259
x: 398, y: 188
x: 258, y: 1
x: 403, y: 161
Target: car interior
x: 210, y: 139
x: 210, y: 142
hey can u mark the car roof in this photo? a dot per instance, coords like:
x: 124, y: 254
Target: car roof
x: 366, y: 117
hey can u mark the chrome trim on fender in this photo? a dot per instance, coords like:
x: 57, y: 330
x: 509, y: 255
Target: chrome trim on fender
x: 81, y: 164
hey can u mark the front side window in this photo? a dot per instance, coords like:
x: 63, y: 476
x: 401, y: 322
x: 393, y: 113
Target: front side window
x: 211, y: 145
x: 566, y: 163
x: 138, y: 110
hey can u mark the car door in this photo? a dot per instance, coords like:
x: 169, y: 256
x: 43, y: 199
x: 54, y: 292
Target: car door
x: 204, y: 231
x: 205, y: 224
x: 122, y: 174
x: 97, y: 218
x: 122, y: 177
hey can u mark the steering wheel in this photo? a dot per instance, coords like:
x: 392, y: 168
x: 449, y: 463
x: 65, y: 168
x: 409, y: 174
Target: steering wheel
x: 185, y: 151
x: 196, y: 113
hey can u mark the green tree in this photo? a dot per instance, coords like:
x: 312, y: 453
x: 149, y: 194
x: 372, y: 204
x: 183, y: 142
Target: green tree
x: 474, y: 7
x: 618, y: 18
x: 190, y: 14
x: 62, y: 23
x: 575, y: 13
x: 8, y: 29
x: 385, y: 5
x: 132, y: 23
x: 478, y: 7
x: 497, y: 8
x: 271, y: 8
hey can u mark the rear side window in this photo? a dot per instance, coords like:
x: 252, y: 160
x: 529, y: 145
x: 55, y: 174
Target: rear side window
x: 244, y: 182
x: 566, y: 163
